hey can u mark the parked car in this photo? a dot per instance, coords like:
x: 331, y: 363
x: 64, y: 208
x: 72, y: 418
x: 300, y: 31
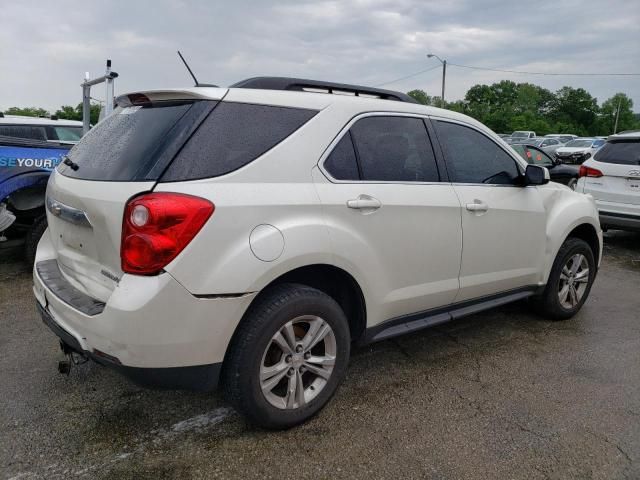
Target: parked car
x: 29, y: 150
x: 612, y: 176
x: 274, y: 226
x: 523, y: 135
x: 548, y: 145
x: 564, y: 138
x: 577, y: 151
x: 561, y: 173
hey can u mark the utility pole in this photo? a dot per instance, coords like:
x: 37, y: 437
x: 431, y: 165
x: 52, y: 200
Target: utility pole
x: 444, y: 74
x: 615, y: 127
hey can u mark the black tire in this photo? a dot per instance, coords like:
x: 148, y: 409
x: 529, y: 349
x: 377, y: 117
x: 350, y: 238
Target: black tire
x: 548, y: 304
x: 572, y: 183
x: 270, y: 312
x: 34, y: 234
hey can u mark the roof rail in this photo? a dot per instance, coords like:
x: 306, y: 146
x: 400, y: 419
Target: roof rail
x: 303, y: 85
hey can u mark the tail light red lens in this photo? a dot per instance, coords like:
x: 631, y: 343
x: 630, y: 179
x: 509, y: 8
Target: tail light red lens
x: 589, y: 172
x: 157, y: 227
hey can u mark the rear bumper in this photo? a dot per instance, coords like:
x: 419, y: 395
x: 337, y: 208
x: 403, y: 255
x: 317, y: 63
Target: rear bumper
x: 149, y: 328
x: 621, y: 221
x: 198, y: 378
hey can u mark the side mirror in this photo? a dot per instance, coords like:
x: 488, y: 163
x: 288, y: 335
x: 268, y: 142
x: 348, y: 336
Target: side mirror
x: 536, y: 175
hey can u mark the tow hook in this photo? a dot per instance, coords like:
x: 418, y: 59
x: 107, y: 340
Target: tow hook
x: 64, y: 367
x: 73, y: 358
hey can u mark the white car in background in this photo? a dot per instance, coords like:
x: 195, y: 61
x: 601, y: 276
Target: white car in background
x: 578, y: 150
x: 612, y: 177
x: 563, y: 137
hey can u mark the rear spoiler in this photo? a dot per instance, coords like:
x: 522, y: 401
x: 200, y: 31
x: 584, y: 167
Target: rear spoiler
x: 200, y: 93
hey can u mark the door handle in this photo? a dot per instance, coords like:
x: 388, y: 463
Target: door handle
x: 364, y: 202
x: 477, y: 206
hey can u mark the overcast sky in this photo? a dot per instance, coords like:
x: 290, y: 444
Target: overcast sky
x: 45, y: 47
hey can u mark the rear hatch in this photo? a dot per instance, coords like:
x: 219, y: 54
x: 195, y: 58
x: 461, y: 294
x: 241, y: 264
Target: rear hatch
x: 619, y: 162
x: 123, y: 156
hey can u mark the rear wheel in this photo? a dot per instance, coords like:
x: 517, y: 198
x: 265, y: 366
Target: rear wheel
x: 288, y: 357
x: 33, y: 237
x: 572, y: 183
x: 570, y: 281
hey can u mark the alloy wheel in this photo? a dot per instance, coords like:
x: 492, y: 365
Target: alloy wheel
x: 574, y: 279
x: 298, y: 362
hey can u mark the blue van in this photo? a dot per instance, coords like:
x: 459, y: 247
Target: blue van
x: 30, y: 148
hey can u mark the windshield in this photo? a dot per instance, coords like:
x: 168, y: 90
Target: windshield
x: 520, y: 135
x: 66, y: 134
x: 579, y: 143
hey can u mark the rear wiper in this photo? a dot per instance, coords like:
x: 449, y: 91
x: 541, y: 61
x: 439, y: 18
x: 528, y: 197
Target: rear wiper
x: 70, y: 163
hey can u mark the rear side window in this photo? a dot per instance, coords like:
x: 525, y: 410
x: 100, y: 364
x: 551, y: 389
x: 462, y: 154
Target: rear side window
x: 135, y: 143
x: 23, y: 131
x: 621, y: 153
x: 472, y: 157
x: 232, y: 136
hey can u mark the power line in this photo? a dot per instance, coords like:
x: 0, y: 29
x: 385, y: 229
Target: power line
x: 554, y: 74
x: 408, y: 76
x: 546, y: 73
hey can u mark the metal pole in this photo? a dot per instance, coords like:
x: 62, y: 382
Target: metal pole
x: 444, y: 73
x: 108, y: 103
x: 615, y: 127
x: 86, y: 107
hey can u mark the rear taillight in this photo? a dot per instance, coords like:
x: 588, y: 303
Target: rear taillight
x: 157, y: 227
x: 589, y: 172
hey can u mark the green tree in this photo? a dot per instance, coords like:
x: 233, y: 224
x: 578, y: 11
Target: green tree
x: 575, y: 106
x: 420, y: 96
x: 68, y: 112
x: 27, y: 111
x: 626, y: 117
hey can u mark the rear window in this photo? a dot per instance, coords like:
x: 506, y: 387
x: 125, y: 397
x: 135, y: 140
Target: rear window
x: 232, y: 136
x: 135, y: 143
x: 621, y: 153
x: 23, y: 131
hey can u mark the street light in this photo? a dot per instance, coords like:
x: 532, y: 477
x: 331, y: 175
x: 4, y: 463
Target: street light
x: 444, y: 73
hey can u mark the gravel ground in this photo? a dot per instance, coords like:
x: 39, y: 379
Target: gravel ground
x: 501, y: 394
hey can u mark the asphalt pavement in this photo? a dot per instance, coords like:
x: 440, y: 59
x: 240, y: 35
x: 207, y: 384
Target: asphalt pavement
x: 502, y: 394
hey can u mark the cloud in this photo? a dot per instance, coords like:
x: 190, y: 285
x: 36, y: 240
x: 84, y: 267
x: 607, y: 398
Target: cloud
x: 44, y: 52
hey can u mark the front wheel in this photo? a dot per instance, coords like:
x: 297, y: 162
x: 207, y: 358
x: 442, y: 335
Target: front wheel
x: 288, y: 357
x: 570, y: 281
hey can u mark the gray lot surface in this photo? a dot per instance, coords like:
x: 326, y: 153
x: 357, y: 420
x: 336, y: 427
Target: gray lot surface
x: 502, y: 394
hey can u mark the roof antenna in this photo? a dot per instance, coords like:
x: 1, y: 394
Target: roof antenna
x: 190, y: 72
x: 197, y: 83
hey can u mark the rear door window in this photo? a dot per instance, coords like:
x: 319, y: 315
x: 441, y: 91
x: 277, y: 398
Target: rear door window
x: 472, y: 157
x: 621, y: 153
x: 232, y: 136
x: 394, y: 149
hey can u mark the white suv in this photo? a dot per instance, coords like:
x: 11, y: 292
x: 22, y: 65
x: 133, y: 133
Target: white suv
x: 253, y: 233
x: 612, y: 177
